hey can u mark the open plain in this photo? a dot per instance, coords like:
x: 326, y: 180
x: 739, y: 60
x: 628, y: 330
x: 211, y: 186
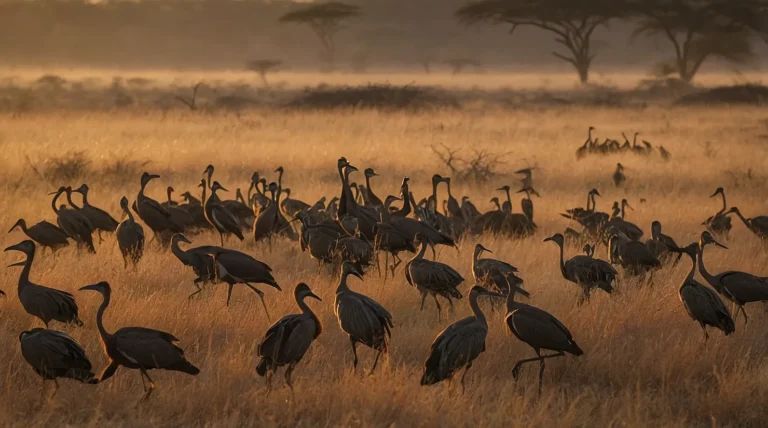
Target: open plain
x: 645, y: 361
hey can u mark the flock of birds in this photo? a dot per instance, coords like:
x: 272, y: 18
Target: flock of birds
x: 611, y: 146
x: 348, y: 234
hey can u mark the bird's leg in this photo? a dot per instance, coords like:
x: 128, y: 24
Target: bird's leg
x: 353, y: 342
x: 395, y: 264
x: 469, y: 366
x: 375, y: 362
x: 100, y: 238
x: 56, y: 385
x: 261, y: 297
x: 288, y: 373
x: 423, y: 298
x: 439, y: 309
x: 378, y: 265
x: 151, y: 384
x: 706, y: 335
x: 541, y: 370
x: 746, y: 320
x: 143, y: 384
x: 386, y: 266
x: 197, y: 286
x: 221, y: 238
x: 229, y: 292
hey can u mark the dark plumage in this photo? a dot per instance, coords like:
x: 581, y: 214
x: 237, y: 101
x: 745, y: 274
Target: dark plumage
x: 287, y: 340
x: 100, y: 219
x: 219, y: 217
x: 585, y: 271
x: 138, y: 347
x: 362, y: 318
x: 45, y: 303
x: 130, y: 236
x: 53, y: 354
x: 431, y: 277
x: 457, y: 346
x: 45, y: 234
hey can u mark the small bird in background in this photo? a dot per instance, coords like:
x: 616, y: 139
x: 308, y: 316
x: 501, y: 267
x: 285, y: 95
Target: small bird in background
x: 618, y: 177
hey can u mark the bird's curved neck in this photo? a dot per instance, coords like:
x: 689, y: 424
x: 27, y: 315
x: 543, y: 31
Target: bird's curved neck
x: 744, y: 220
x: 562, y: 260
x: 692, y: 272
x: 205, y: 191
x: 69, y: 201
x: 406, y: 208
x: 343, y: 283
x: 177, y: 251
x: 703, y: 270
x: 24, y: 276
x: 476, y: 256
x: 434, y: 194
x: 448, y: 185
x: 107, y: 295
x: 422, y: 250
x: 725, y: 206
x: 476, y: 308
x: 622, y: 211
x: 305, y: 309
x: 85, y: 198
x: 169, y: 192
x: 22, y: 225
x: 280, y: 178
x: 591, y: 198
x: 128, y: 213
x: 53, y: 202
x: 509, y: 199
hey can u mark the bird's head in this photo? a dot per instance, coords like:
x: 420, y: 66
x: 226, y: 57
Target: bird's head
x: 302, y: 290
x: 557, y: 238
x: 625, y: 203
x: 479, y: 248
x: 280, y: 170
x: 504, y: 188
x: 169, y: 189
x: 25, y: 247
x: 437, y: 178
x: 255, y: 177
x: 349, y: 168
x: 61, y: 190
x: 733, y: 210
x: 20, y: 223
x: 594, y: 192
x: 342, y: 162
x: 102, y: 287
x: 208, y: 170
x: 370, y: 172
x: 478, y: 291
x: 178, y: 237
x: 216, y: 186
x: 124, y: 203
x: 349, y: 268
x: 718, y: 191
x: 147, y: 177
x: 83, y: 189
x: 707, y: 238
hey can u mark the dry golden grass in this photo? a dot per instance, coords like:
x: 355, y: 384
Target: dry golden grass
x: 645, y: 362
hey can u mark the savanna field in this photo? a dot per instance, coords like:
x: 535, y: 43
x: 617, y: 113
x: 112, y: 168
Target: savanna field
x: 645, y: 361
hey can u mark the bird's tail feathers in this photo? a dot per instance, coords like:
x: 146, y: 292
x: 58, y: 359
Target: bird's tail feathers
x: 261, y: 368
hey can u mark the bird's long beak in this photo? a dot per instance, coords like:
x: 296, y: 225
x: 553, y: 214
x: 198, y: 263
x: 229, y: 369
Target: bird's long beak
x: 352, y: 168
x: 13, y: 248
x: 153, y: 176
x: 222, y: 188
x: 717, y: 192
x: 53, y: 193
x: 548, y: 239
x: 314, y: 296
x: 21, y: 263
x: 719, y: 244
x: 2, y: 293
x: 485, y: 249
x: 357, y: 274
x: 598, y: 193
x: 630, y: 207
x: 183, y: 238
x: 492, y: 293
x: 92, y: 287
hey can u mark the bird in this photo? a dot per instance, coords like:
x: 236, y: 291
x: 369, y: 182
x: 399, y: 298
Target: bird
x: 431, y: 277
x: 53, y: 354
x: 719, y: 224
x: 527, y: 180
x: 363, y: 319
x: 458, y: 346
x: 45, y: 234
x: 526, y: 203
x: 493, y: 274
x: 74, y: 224
x: 585, y: 271
x: 183, y: 215
x: 287, y: 340
x: 371, y: 198
x: 701, y: 302
x: 661, y: 245
x: 219, y: 217
x: 634, y: 256
x: 540, y: 330
x: 130, y: 236
x: 100, y: 219
x: 292, y: 206
x: 390, y: 239
x: 738, y: 287
x: 618, y: 177
x: 617, y: 221
x: 196, y: 258
x: 157, y: 218
x: 757, y: 225
x: 47, y: 304
x: 137, y: 347
x: 234, y: 267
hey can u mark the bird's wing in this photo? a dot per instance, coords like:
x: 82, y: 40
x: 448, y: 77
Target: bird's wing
x: 223, y: 218
x: 462, y: 343
x: 59, y: 301
x: 744, y: 287
x: 272, y: 337
x: 64, y: 351
x: 299, y: 339
x: 434, y: 275
x: 148, y: 348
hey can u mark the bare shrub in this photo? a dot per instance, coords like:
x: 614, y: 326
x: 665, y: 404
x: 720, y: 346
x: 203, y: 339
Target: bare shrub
x: 480, y: 167
x: 123, y: 168
x: 63, y: 168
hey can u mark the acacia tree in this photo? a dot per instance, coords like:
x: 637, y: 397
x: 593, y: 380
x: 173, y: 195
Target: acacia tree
x: 326, y: 20
x: 699, y: 30
x: 573, y: 23
x: 263, y: 66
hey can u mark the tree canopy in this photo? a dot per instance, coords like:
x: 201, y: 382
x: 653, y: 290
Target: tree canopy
x: 702, y: 29
x: 325, y: 19
x: 572, y: 23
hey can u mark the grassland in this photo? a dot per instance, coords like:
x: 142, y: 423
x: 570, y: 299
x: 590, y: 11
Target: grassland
x: 645, y: 362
